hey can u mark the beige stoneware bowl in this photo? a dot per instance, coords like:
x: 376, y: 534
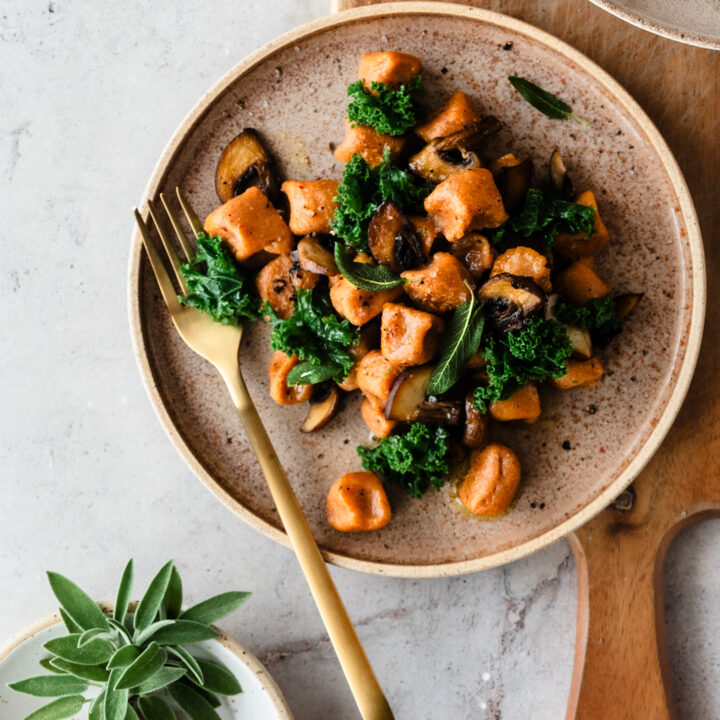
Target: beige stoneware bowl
x: 293, y: 90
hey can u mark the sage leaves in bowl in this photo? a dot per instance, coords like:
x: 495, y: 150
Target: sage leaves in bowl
x: 136, y: 661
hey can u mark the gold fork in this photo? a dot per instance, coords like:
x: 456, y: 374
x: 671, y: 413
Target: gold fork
x: 219, y: 345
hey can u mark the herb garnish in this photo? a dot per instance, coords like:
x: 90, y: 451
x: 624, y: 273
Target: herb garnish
x: 390, y: 112
x: 316, y: 334
x: 364, y: 275
x: 545, y: 216
x: 363, y: 189
x: 459, y: 343
x: 544, y: 101
x: 217, y: 285
x: 416, y: 459
x: 597, y: 315
x: 536, y: 352
x: 137, y: 661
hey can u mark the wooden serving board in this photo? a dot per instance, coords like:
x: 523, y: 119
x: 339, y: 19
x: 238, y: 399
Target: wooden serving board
x: 621, y: 670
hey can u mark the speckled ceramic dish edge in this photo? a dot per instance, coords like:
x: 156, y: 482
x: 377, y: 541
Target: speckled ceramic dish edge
x: 693, y: 318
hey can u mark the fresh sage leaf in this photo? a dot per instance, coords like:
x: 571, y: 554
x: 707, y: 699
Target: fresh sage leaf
x: 47, y: 664
x: 50, y: 686
x: 216, y: 608
x: 148, y: 607
x: 121, y: 629
x: 143, y: 668
x: 189, y: 661
x: 93, y: 673
x: 90, y: 635
x: 123, y: 657
x: 211, y: 697
x: 364, y: 275
x: 217, y: 679
x: 124, y: 591
x: 78, y: 605
x: 166, y: 676
x: 97, y: 652
x: 58, y: 709
x: 194, y: 704
x: 184, y: 631
x: 150, y: 630
x: 130, y: 714
x: 172, y: 601
x: 155, y: 708
x: 459, y: 343
x: 70, y: 624
x: 96, y: 711
x: 305, y: 373
x: 547, y: 103
x: 116, y: 701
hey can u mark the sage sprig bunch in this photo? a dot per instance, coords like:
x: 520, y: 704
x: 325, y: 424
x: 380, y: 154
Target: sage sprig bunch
x: 136, y: 660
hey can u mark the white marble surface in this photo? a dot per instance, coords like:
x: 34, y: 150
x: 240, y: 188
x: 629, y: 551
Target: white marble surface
x: 88, y: 478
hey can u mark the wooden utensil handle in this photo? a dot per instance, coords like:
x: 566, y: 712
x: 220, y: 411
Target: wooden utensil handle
x: 620, y: 670
x: 360, y: 676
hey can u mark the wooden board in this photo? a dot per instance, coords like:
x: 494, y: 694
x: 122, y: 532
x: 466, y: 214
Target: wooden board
x: 621, y: 670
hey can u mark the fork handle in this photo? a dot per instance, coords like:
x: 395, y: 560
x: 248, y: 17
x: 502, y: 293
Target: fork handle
x: 364, y: 685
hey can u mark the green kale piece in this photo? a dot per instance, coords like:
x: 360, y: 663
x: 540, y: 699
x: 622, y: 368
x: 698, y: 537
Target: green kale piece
x: 390, y: 112
x: 315, y: 333
x: 536, y: 352
x: 363, y: 189
x: 217, y: 285
x: 416, y: 459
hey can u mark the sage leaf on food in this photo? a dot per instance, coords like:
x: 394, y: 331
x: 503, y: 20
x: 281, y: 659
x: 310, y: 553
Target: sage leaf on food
x: 364, y: 275
x: 148, y: 607
x: 184, y: 631
x: 50, y: 686
x: 97, y: 652
x: 116, y: 701
x: 58, y: 709
x: 123, y: 593
x: 92, y: 673
x: 163, y: 678
x: 459, y: 343
x: 189, y: 661
x: 143, y: 668
x: 547, y: 103
x: 123, y: 657
x: 192, y: 702
x: 306, y: 373
x: 155, y: 708
x: 216, y: 608
x: 77, y: 604
x: 217, y: 679
x: 172, y: 602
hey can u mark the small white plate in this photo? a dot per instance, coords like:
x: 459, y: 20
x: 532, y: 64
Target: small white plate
x: 261, y: 698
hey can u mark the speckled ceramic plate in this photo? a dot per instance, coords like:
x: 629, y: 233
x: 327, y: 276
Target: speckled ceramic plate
x: 696, y: 22
x: 294, y: 91
x: 260, y: 699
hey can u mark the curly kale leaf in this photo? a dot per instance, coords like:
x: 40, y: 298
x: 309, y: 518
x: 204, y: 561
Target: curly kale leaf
x: 536, y: 352
x: 416, y: 459
x: 390, y: 112
x: 363, y: 189
x: 597, y: 315
x: 315, y: 333
x: 546, y: 216
x: 217, y: 285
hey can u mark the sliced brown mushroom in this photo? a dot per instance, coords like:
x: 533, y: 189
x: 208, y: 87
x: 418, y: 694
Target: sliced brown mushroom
x: 436, y: 165
x: 408, y: 393
x: 245, y: 162
x: 475, y: 253
x: 558, y: 175
x: 441, y: 412
x: 393, y: 240
x: 513, y: 182
x: 314, y: 258
x: 510, y: 301
x: 626, y: 304
x: 323, y: 405
x: 471, y: 136
x: 476, y: 433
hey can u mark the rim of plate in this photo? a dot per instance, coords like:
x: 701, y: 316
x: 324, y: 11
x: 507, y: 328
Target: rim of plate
x: 657, y: 27
x: 684, y: 367
x: 268, y: 684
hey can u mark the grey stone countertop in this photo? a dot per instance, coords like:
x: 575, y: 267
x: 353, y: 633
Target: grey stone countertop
x: 90, y: 93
